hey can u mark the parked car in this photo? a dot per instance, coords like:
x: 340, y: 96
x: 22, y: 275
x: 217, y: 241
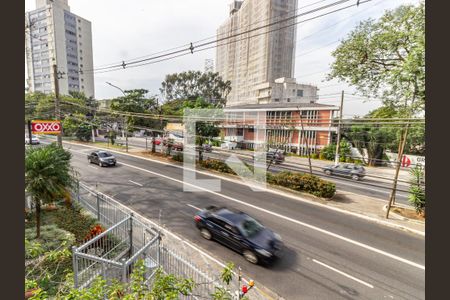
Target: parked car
x: 240, y: 232
x: 276, y: 156
x: 206, y: 148
x: 157, y: 141
x: 356, y: 172
x: 34, y: 139
x: 102, y: 158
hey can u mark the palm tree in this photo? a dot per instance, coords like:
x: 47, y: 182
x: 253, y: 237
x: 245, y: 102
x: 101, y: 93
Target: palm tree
x: 48, y: 176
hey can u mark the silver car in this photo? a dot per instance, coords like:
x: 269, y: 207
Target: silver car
x: 356, y: 172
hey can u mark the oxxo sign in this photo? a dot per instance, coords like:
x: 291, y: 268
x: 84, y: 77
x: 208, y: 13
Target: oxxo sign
x: 46, y: 127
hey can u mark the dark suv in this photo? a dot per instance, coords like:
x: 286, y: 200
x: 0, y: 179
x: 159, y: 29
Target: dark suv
x: 239, y: 231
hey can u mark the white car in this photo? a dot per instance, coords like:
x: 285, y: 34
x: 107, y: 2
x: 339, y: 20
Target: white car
x: 34, y: 139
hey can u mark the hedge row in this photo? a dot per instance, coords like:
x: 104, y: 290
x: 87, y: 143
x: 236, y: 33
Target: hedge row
x: 292, y: 180
x: 303, y: 183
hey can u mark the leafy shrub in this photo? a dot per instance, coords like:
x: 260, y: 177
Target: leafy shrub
x: 178, y: 157
x: 51, y: 238
x: 314, y: 155
x: 416, y: 190
x: 303, y: 183
x: 217, y: 165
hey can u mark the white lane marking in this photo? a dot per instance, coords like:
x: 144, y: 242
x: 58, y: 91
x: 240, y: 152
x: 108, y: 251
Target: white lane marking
x: 268, y: 190
x: 93, y: 167
x: 370, y: 248
x: 136, y: 183
x: 343, y: 238
x: 343, y: 273
x: 194, y: 207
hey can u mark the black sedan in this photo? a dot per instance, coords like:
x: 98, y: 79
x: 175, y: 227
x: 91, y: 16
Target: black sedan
x: 240, y: 232
x: 102, y: 158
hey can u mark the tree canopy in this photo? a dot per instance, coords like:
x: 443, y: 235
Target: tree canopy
x: 194, y: 84
x: 386, y: 59
x: 135, y: 101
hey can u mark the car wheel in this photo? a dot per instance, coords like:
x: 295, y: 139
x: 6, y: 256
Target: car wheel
x: 328, y: 172
x: 206, y: 233
x: 250, y: 256
x: 100, y: 164
x: 89, y: 160
x: 355, y: 177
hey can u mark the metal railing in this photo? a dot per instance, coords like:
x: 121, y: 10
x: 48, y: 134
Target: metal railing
x: 112, y: 253
x: 128, y: 238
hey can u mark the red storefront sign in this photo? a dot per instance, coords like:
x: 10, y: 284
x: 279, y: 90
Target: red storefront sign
x: 46, y: 127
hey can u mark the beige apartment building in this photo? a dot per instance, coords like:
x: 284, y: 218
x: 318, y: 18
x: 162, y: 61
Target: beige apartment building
x: 260, y: 64
x: 54, y: 35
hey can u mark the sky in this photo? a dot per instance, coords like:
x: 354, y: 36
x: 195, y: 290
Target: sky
x: 127, y: 29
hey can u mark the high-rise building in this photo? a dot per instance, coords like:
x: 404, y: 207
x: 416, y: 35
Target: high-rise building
x: 260, y: 62
x: 54, y: 35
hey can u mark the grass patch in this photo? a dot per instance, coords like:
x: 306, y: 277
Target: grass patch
x: 50, y: 256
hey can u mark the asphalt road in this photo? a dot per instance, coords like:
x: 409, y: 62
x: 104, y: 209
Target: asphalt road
x: 328, y: 255
x: 374, y: 187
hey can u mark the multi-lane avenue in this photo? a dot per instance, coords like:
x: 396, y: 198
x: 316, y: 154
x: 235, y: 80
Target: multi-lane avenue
x: 328, y: 255
x: 377, y: 187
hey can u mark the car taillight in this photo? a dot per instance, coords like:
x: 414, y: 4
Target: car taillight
x: 197, y: 218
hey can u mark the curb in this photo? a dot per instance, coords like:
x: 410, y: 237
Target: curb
x: 274, y: 191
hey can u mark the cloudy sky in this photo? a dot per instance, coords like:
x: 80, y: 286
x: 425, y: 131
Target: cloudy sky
x: 127, y: 29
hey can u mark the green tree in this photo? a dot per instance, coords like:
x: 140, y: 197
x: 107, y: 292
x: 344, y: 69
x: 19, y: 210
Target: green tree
x: 386, y: 59
x: 194, y: 84
x: 84, y: 132
x: 48, y: 175
x: 204, y: 131
x: 135, y: 101
x: 329, y: 152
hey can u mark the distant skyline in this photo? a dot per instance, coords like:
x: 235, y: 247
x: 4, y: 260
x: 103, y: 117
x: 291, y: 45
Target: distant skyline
x: 123, y: 30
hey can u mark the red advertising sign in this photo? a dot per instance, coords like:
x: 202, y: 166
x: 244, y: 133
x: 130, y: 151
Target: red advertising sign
x: 406, y: 162
x: 45, y: 127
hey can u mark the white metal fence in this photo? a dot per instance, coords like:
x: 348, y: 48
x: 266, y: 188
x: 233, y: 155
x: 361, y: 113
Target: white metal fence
x: 129, y: 237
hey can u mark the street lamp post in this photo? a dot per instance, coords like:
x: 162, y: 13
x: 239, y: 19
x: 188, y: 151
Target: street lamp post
x: 126, y: 133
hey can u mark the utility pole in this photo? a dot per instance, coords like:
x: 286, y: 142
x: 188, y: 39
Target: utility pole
x: 57, y: 109
x: 306, y: 140
x: 338, y: 143
x: 126, y: 136
x: 397, y: 170
x: 29, y: 132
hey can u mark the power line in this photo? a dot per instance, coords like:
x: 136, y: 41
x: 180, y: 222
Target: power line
x: 210, y: 37
x: 193, y: 48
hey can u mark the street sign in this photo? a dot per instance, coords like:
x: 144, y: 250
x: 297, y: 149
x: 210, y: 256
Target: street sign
x: 406, y: 162
x: 45, y: 127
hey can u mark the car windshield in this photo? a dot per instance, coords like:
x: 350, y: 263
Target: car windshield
x: 104, y: 154
x: 250, y: 227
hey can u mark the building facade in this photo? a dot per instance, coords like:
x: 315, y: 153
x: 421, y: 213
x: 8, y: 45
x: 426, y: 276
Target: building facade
x: 254, y: 61
x: 288, y: 126
x: 54, y: 35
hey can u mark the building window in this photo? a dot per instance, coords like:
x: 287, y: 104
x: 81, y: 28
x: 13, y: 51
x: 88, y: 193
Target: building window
x: 240, y: 131
x: 276, y: 100
x: 299, y: 93
x: 288, y: 99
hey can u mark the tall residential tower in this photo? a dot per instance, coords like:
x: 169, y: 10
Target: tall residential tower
x: 259, y: 58
x: 54, y: 35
